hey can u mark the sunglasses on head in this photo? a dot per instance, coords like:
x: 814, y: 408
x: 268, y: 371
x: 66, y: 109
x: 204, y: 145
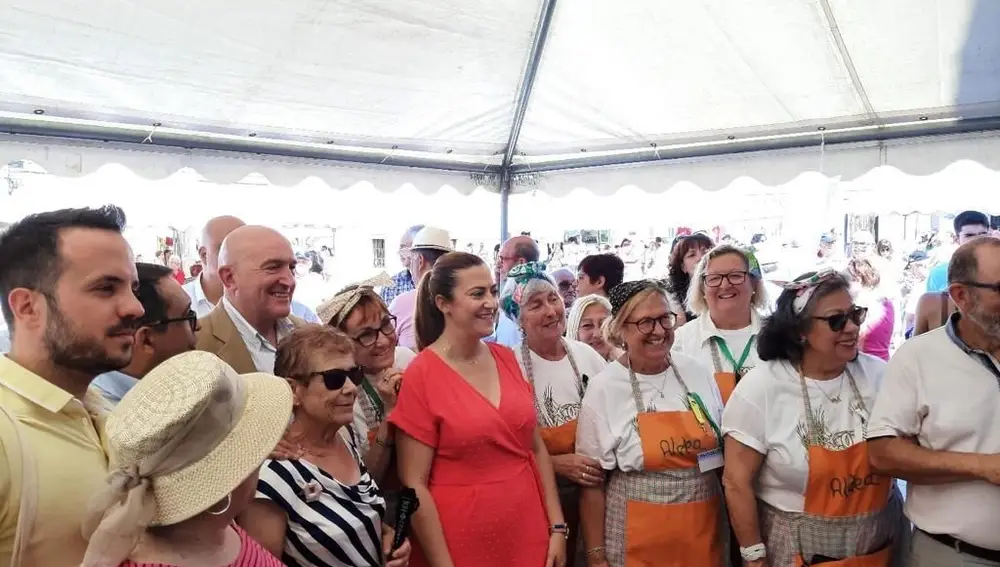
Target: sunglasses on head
x: 838, y: 321
x: 334, y: 379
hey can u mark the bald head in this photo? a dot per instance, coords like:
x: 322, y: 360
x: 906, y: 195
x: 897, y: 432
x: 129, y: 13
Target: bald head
x: 257, y: 269
x: 216, y: 230
x: 516, y: 250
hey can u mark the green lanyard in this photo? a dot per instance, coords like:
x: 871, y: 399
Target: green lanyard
x: 376, y: 400
x: 737, y: 365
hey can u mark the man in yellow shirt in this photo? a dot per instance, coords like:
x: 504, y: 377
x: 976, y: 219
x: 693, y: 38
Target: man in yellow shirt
x: 66, y: 292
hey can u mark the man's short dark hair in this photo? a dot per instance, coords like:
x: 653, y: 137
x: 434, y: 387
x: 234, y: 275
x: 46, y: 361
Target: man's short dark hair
x: 148, y: 292
x: 527, y: 251
x: 430, y: 255
x: 29, y: 249
x: 970, y: 218
x: 964, y: 266
x: 609, y: 266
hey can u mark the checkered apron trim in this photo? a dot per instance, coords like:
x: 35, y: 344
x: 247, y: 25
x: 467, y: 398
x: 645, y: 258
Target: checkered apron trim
x: 661, y: 487
x: 792, y: 533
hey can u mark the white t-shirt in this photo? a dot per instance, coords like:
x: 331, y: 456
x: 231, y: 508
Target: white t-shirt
x: 695, y: 340
x: 404, y: 357
x: 556, y: 385
x: 949, y: 401
x: 606, y: 430
x: 767, y: 413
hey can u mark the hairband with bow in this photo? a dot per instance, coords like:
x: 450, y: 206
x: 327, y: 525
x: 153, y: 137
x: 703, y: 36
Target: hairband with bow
x: 805, y: 286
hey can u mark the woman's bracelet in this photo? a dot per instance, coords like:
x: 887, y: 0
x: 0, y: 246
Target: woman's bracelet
x: 595, y: 551
x: 383, y: 443
x: 562, y: 529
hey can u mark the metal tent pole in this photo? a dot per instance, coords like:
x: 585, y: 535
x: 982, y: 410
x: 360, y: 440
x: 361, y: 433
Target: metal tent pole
x: 520, y: 109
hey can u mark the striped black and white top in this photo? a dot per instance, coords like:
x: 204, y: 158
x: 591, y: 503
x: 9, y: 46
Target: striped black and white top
x: 330, y: 524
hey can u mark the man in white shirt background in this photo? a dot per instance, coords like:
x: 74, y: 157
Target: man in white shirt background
x: 257, y: 270
x: 935, y: 422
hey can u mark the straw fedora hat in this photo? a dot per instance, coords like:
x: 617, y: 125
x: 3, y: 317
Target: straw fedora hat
x: 196, y: 429
x: 432, y: 238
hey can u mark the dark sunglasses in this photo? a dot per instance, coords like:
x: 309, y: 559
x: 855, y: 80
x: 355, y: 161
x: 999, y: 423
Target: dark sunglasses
x: 334, y: 379
x: 370, y: 336
x: 837, y: 322
x: 191, y: 318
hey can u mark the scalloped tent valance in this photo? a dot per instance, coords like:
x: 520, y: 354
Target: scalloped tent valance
x: 475, y: 92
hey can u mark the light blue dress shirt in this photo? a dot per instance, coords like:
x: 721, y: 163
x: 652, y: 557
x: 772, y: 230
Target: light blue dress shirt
x: 114, y: 385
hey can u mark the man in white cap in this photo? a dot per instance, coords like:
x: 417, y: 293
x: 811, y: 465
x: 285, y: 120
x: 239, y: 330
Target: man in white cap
x: 428, y: 245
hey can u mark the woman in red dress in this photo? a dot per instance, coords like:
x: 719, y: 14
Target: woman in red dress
x: 467, y: 439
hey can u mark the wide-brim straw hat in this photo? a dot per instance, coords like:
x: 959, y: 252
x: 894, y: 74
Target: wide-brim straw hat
x: 165, y: 402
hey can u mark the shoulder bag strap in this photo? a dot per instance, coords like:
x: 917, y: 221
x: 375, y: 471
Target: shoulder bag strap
x: 29, y: 492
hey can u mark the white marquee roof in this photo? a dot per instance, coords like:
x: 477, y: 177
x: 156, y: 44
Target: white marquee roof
x: 438, y: 83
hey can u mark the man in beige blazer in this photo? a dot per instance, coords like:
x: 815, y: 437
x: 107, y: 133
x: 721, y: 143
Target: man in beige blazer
x: 257, y: 270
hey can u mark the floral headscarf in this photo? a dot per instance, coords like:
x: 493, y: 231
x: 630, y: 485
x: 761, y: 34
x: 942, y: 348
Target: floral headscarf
x: 805, y: 286
x: 517, y: 281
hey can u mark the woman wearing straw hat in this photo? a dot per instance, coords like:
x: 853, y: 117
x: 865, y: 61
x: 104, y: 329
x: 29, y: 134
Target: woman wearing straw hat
x: 324, y: 509
x: 186, y: 444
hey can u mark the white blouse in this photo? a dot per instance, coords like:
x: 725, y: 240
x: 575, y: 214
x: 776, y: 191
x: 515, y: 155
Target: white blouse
x: 606, y: 431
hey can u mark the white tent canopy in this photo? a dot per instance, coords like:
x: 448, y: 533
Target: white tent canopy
x: 502, y: 94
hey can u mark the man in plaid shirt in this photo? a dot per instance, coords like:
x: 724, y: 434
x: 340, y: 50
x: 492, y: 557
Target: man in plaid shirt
x: 403, y: 281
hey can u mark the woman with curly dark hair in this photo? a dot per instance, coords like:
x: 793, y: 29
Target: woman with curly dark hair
x: 685, y: 255
x: 797, y: 479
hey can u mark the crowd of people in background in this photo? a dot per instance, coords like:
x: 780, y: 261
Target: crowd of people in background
x: 689, y: 407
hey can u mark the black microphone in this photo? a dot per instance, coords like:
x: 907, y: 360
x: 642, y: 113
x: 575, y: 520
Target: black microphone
x: 408, y: 504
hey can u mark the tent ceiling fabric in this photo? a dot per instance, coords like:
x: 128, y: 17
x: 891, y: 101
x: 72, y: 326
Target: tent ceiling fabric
x: 442, y: 76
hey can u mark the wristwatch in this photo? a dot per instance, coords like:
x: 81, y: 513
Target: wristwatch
x: 755, y: 552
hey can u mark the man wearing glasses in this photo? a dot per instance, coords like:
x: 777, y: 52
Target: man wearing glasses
x: 167, y: 328
x: 968, y: 226
x: 935, y: 422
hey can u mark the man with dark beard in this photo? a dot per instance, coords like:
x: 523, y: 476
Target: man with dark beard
x: 66, y: 292
x: 935, y: 422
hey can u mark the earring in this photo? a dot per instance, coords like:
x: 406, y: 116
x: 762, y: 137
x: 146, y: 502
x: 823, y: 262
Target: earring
x: 229, y: 502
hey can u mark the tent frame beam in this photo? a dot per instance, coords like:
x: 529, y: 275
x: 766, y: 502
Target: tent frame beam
x: 671, y: 150
x: 541, y: 35
x: 845, y: 54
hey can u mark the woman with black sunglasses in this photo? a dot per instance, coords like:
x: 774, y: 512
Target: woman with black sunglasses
x: 323, y: 509
x: 798, y: 483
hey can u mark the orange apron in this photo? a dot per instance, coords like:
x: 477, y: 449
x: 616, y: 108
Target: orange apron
x: 841, y: 485
x: 727, y: 380
x: 673, y: 515
x: 558, y: 439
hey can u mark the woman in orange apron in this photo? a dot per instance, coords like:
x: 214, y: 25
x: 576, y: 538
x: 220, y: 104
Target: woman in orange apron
x: 727, y: 294
x: 558, y: 370
x: 799, y: 487
x: 650, y: 420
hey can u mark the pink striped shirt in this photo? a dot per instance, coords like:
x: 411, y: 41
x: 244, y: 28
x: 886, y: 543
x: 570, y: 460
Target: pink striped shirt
x: 251, y: 555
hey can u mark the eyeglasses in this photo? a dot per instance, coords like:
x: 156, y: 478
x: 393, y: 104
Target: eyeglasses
x: 838, y: 321
x: 335, y: 378
x: 190, y: 317
x: 734, y: 278
x: 566, y: 285
x: 370, y: 336
x: 991, y: 286
x: 647, y: 325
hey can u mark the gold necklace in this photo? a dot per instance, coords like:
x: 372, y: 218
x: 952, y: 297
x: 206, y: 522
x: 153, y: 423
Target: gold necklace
x: 473, y: 361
